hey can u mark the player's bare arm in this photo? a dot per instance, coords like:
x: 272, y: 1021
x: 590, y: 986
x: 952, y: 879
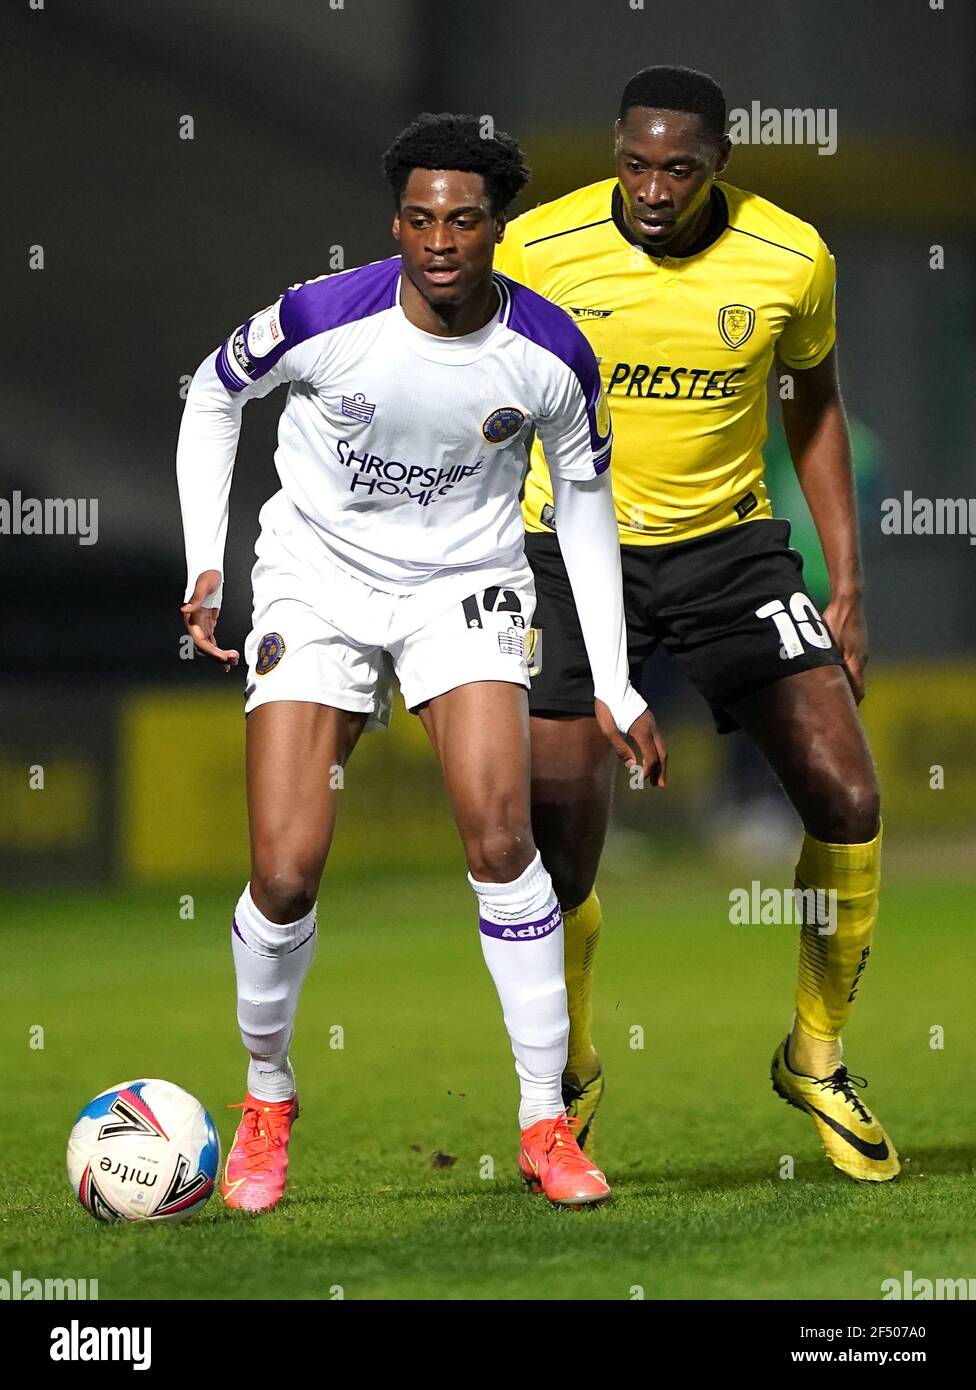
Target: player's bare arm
x: 200, y: 620
x: 652, y: 754
x: 816, y: 429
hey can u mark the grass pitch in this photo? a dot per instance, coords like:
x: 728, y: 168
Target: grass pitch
x: 403, y: 1183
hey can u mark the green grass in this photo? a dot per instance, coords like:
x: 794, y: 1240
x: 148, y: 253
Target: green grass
x: 690, y: 1134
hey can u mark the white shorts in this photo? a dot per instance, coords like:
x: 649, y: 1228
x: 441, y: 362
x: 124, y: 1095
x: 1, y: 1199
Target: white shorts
x: 321, y: 634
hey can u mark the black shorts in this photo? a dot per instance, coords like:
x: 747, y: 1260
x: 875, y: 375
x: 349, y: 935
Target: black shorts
x: 730, y: 607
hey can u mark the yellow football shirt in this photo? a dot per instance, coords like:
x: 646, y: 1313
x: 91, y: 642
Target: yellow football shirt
x: 685, y: 345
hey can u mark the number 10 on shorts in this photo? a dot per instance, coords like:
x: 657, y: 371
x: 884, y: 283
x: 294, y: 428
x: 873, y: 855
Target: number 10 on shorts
x: 802, y: 624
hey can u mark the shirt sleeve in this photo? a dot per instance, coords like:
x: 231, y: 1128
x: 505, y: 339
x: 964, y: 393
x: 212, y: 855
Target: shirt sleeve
x: 252, y: 361
x: 589, y: 541
x: 812, y: 328
x: 575, y: 430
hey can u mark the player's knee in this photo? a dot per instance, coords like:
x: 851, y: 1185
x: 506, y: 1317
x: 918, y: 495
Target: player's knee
x: 862, y: 811
x: 852, y: 814
x: 501, y: 854
x: 572, y: 881
x: 284, y: 893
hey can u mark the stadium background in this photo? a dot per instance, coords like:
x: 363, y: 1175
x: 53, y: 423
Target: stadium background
x: 156, y: 246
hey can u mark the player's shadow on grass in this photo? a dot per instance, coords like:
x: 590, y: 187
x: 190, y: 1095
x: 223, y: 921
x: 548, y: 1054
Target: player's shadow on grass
x: 678, y: 1179
x: 924, y: 1162
x: 672, y: 1182
x: 809, y: 1168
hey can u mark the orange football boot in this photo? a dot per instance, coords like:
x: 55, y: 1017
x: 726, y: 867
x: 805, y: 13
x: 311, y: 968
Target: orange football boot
x: 551, y: 1161
x: 257, y: 1165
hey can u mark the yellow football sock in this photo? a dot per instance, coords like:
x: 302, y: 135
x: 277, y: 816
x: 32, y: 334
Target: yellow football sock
x: 581, y: 932
x: 835, y: 942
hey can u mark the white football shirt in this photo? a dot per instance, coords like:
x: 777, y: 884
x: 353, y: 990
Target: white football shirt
x: 404, y: 452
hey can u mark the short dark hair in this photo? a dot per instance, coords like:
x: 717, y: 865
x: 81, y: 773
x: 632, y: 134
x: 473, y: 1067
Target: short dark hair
x: 678, y: 89
x: 448, y: 141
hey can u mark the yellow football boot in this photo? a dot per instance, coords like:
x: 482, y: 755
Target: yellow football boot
x: 854, y: 1140
x: 581, y: 1099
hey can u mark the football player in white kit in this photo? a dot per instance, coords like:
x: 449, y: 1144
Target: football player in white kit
x: 395, y: 545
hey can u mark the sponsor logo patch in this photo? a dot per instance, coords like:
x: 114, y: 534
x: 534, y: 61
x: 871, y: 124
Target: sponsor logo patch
x: 241, y: 354
x: 745, y: 505
x: 590, y: 313
x: 271, y: 649
x: 357, y: 407
x: 511, y: 642
x: 735, y: 323
x: 264, y: 332
x: 502, y: 424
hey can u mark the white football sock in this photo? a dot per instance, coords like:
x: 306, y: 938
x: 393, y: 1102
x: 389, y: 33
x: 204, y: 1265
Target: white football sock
x: 271, y: 962
x: 522, y: 942
x: 268, y: 1080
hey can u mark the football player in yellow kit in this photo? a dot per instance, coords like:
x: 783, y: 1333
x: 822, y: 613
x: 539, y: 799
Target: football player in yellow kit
x: 689, y: 289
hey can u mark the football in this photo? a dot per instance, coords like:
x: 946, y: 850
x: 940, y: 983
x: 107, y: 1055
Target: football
x: 143, y: 1151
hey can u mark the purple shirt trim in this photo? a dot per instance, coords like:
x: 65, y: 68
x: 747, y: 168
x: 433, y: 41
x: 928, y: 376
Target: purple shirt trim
x: 223, y: 371
x: 312, y: 308
x: 542, y: 322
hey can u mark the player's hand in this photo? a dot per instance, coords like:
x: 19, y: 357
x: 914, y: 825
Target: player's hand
x: 652, y: 759
x: 845, y: 618
x: 201, y: 622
